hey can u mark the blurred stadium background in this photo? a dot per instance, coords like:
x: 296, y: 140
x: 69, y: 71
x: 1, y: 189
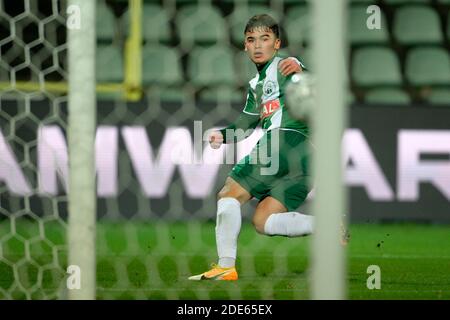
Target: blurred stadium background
x: 156, y: 217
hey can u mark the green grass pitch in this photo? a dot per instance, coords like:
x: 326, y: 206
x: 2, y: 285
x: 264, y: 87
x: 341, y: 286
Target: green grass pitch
x: 153, y: 260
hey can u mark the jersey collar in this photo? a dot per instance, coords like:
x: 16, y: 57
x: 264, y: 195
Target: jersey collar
x: 262, y: 68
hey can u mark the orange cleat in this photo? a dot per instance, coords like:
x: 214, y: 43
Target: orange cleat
x: 217, y: 273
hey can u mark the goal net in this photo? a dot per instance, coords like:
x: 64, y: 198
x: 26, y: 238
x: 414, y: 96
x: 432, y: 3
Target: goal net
x: 33, y: 202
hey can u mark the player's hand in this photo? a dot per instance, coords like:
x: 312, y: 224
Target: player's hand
x: 215, y: 139
x: 289, y: 66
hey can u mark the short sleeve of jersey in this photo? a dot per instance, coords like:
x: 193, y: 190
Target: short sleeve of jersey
x: 251, y: 105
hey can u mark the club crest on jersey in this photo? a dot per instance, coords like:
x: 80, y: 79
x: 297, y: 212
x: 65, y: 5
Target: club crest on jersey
x: 268, y: 108
x: 269, y: 87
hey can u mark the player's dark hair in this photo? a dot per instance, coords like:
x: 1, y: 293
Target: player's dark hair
x: 263, y: 21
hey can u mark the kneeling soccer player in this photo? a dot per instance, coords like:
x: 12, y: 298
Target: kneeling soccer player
x: 281, y: 183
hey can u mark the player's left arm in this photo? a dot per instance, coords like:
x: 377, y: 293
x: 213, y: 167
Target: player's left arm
x: 289, y: 66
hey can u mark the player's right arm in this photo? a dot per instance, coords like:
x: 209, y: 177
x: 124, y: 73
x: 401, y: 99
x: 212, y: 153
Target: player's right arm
x: 248, y: 119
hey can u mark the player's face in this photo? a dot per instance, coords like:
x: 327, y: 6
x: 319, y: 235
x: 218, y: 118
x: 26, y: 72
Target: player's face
x: 261, y: 44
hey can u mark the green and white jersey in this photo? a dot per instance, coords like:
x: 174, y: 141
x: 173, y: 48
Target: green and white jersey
x: 266, y: 99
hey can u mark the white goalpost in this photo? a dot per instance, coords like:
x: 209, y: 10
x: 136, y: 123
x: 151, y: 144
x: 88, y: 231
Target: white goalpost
x: 328, y: 120
x: 81, y: 136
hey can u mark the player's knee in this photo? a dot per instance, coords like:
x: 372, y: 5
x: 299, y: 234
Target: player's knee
x: 229, y: 192
x: 222, y: 194
x: 258, y: 223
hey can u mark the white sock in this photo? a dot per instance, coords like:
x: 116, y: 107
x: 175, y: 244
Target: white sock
x: 228, y: 226
x: 289, y: 224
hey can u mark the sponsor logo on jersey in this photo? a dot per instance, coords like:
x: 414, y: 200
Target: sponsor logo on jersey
x: 268, y: 108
